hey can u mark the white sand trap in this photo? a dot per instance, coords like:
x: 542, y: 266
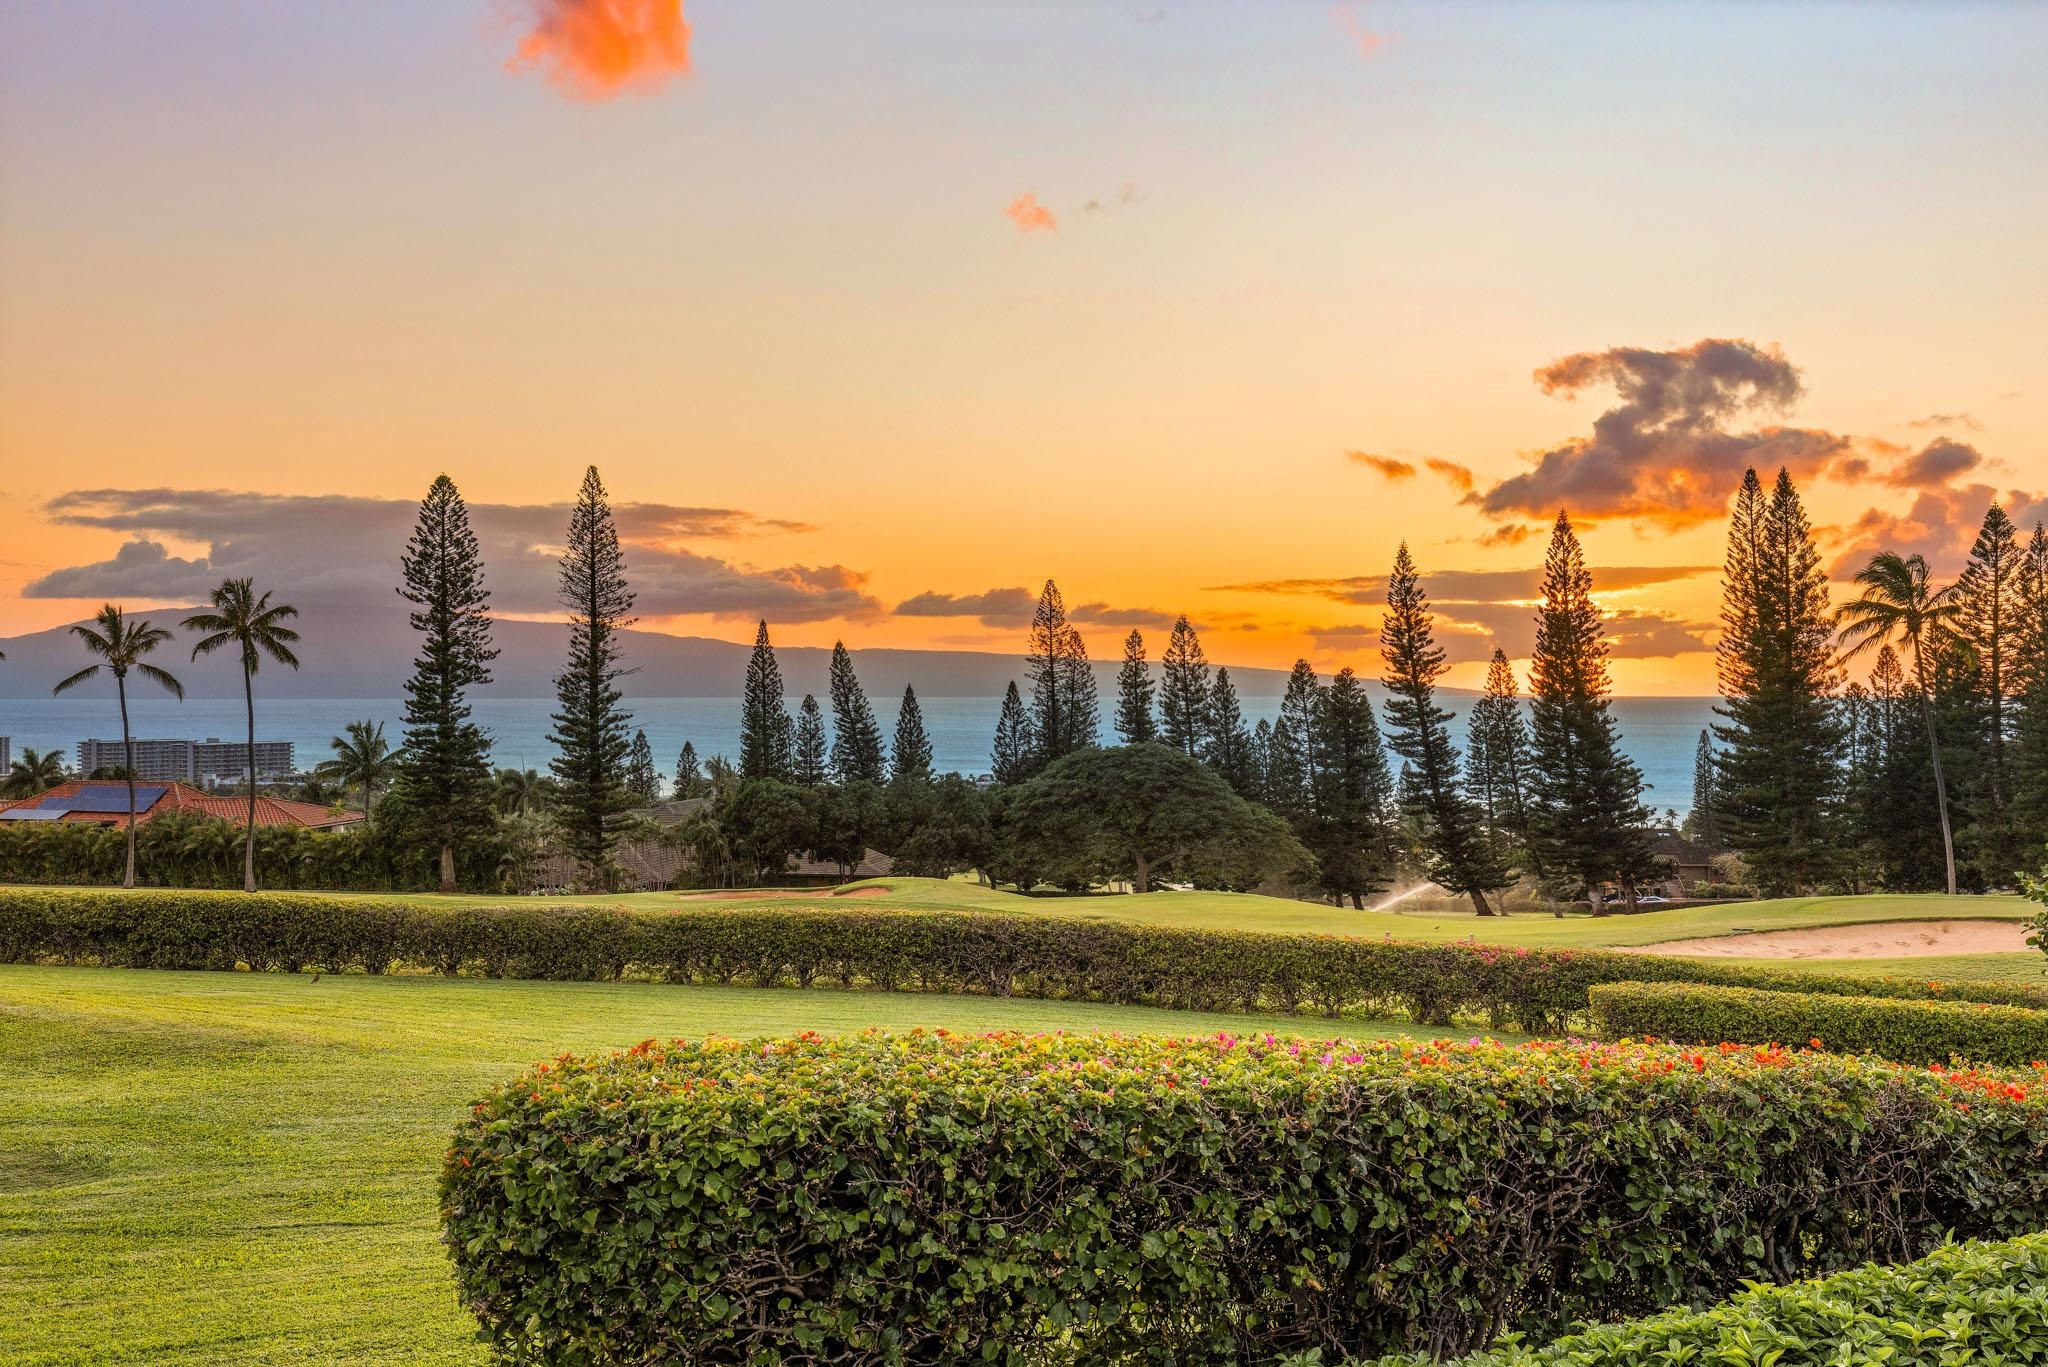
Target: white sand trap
x: 1880, y: 940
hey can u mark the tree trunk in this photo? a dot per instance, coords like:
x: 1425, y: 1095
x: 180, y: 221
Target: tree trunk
x: 1596, y: 899
x: 1479, y: 903
x: 447, y: 866
x: 1142, y: 877
x: 249, y: 774
x: 1948, y: 841
x: 1357, y: 902
x: 128, y: 767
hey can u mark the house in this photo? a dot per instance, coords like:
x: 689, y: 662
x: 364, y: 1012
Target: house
x: 1683, y: 863
x: 104, y: 802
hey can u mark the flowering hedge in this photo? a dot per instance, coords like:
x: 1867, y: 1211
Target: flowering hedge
x: 1971, y: 1303
x: 1908, y: 1031
x: 929, y: 1197
x: 806, y: 945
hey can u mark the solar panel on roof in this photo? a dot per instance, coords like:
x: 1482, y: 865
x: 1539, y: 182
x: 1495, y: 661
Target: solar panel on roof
x: 109, y: 800
x: 32, y: 814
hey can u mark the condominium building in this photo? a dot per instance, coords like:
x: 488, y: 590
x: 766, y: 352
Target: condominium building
x: 190, y: 761
x: 6, y: 753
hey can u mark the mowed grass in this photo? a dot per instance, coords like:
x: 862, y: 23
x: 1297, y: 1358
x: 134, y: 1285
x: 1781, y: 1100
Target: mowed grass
x: 206, y: 1168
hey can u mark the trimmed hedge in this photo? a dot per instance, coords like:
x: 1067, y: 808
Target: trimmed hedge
x: 1976, y: 1303
x: 929, y: 1197
x: 1538, y: 991
x: 1908, y: 1031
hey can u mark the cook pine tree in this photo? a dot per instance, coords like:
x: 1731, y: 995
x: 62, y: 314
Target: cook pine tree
x: 1064, y: 714
x: 1776, y: 787
x: 765, y: 728
x: 856, y: 735
x: 590, y: 736
x: 1135, y: 721
x: 1010, y: 758
x: 910, y: 757
x: 1184, y: 692
x: 808, y: 764
x: 1457, y: 855
x: 1587, y: 823
x: 444, y: 788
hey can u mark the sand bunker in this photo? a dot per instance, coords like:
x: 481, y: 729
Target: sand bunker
x: 1883, y: 940
x: 781, y: 894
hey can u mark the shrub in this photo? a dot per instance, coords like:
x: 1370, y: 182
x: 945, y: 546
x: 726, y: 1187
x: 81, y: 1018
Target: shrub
x: 805, y: 945
x: 1087, y: 1198
x: 1968, y: 1303
x: 1908, y: 1031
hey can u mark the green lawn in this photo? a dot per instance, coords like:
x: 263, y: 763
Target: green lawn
x: 216, y: 1168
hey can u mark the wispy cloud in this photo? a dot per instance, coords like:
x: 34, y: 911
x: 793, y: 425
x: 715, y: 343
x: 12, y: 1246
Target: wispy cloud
x: 1366, y: 42
x: 599, y: 49
x: 1387, y: 467
x: 1962, y: 420
x: 1467, y: 585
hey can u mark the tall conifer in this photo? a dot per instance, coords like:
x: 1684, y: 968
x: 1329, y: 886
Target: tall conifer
x: 1228, y: 749
x: 1587, y: 823
x: 856, y: 735
x: 444, y: 775
x: 1134, y: 719
x: 1292, y: 773
x: 1456, y: 853
x: 1064, y: 715
x: 1351, y: 828
x: 1010, y: 758
x: 689, y: 774
x: 1705, y: 820
x: 1184, y: 694
x: 1498, y: 764
x: 910, y: 758
x: 1778, y: 771
x: 643, y: 781
x: 807, y: 761
x: 1990, y: 620
x: 590, y: 727
x: 764, y: 715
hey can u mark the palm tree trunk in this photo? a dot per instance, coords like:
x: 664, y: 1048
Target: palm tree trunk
x: 249, y: 768
x: 1948, y: 842
x: 128, y: 767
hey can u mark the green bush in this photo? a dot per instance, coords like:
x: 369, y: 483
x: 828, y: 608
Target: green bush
x: 1972, y: 1303
x: 1908, y: 1031
x: 1090, y: 1199
x: 805, y: 945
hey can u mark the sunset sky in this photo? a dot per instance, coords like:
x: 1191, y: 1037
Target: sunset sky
x: 875, y: 315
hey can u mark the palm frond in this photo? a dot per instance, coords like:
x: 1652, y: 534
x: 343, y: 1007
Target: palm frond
x: 163, y: 677
x: 80, y: 677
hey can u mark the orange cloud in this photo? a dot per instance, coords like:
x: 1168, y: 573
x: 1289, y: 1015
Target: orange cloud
x: 1386, y: 466
x: 1030, y: 216
x: 1456, y: 475
x: 1367, y: 42
x: 597, y: 49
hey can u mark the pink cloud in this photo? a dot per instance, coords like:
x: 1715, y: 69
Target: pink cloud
x: 598, y: 49
x: 1030, y: 216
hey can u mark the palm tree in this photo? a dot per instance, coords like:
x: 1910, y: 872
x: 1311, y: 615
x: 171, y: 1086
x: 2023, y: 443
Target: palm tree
x: 241, y: 618
x: 362, y: 759
x: 1900, y: 601
x: 520, y: 791
x: 121, y: 644
x: 34, y: 772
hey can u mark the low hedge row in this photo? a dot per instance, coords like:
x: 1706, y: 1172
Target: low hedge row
x: 1908, y: 1031
x: 1535, y: 990
x: 1089, y: 1199
x: 1971, y: 1303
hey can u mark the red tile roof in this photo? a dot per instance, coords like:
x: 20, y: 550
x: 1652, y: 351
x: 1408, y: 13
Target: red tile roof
x: 182, y: 797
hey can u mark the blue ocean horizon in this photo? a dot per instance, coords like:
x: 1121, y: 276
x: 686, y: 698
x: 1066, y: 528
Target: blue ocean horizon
x: 1658, y: 733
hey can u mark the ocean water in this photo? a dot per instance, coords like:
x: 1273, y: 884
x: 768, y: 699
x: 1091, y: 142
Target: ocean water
x: 1659, y: 733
